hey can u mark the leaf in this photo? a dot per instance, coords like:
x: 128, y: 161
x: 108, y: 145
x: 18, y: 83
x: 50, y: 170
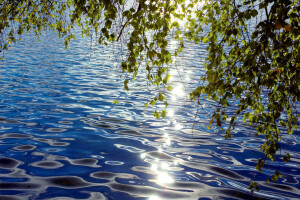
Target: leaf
x: 166, y: 104
x: 204, y: 39
x: 278, y: 174
x: 286, y: 158
x: 211, y: 121
x: 163, y: 113
x: 254, y: 13
x: 152, y: 102
x: 261, y: 107
x: 125, y: 85
x: 161, y: 97
x: 169, y: 87
x: 288, y: 28
x: 278, y: 26
x: 227, y: 134
x: 156, y: 114
x: 262, y: 5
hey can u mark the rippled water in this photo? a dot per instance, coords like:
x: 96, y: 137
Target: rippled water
x: 62, y: 138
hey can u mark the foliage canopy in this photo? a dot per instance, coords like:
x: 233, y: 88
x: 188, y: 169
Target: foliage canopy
x: 253, y: 50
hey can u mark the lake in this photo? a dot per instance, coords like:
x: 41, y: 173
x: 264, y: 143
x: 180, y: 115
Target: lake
x: 62, y: 138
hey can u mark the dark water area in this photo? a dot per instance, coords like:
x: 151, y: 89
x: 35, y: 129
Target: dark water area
x: 61, y: 137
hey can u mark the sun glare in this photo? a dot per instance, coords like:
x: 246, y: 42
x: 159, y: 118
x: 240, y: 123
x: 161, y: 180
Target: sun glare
x: 154, y: 198
x: 178, y: 90
x: 178, y: 126
x: 197, y: 4
x: 171, y: 113
x: 164, y: 178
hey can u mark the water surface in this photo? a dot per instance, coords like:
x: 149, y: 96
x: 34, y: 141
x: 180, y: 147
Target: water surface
x: 62, y: 138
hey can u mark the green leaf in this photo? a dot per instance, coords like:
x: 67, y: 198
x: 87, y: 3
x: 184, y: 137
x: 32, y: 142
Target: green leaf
x: 166, y: 104
x: 163, y: 113
x: 204, y: 39
x: 286, y: 158
x: 156, y: 114
x: 161, y: 97
x: 152, y: 102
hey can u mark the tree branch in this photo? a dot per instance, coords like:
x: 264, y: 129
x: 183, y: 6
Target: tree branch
x: 139, y: 8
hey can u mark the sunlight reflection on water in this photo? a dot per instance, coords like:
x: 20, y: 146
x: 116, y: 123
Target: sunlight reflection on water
x: 154, y: 198
x: 59, y: 131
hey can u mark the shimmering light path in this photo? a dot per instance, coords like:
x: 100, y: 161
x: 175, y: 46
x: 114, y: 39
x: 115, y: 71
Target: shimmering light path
x: 62, y: 138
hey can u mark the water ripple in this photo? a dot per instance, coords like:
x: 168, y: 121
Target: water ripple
x: 62, y: 138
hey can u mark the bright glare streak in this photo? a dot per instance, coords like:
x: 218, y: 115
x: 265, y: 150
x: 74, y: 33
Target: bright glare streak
x: 178, y: 126
x: 172, y: 72
x: 143, y: 155
x: 154, y: 198
x: 164, y: 178
x: 178, y: 90
x: 171, y: 113
x: 171, y: 78
x: 187, y: 78
x: 154, y: 167
x: 192, y: 14
x: 164, y: 165
x: 173, y: 45
x: 180, y: 86
x: 173, y: 98
x: 168, y: 142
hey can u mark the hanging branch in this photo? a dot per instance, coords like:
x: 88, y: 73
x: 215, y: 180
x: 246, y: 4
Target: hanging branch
x: 139, y: 8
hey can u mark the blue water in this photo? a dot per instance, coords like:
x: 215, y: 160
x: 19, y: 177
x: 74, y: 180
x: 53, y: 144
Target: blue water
x: 62, y: 138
